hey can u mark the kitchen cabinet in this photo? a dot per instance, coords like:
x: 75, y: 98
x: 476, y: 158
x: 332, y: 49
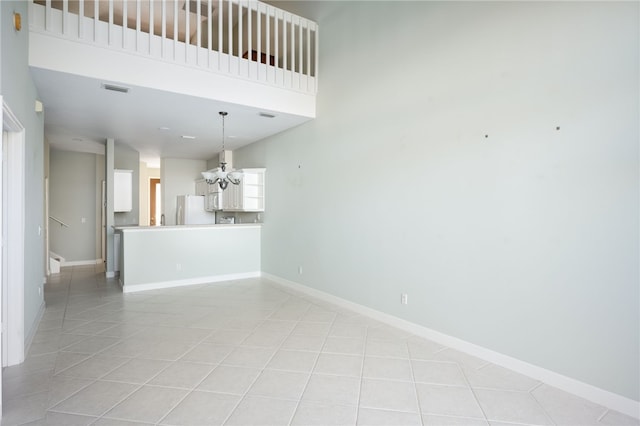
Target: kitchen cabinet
x: 201, y: 187
x: 212, y: 195
x: 122, y: 190
x: 213, y: 198
x: 248, y: 196
x: 231, y: 198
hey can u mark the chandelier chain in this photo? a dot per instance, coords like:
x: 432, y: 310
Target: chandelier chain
x: 223, y: 114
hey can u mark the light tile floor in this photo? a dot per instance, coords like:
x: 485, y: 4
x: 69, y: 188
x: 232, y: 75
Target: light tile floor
x: 250, y: 352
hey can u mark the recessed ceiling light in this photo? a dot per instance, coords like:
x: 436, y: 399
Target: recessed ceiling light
x: 114, y: 88
x: 188, y: 137
x: 164, y: 128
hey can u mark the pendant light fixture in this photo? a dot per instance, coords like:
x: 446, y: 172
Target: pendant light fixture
x: 220, y: 175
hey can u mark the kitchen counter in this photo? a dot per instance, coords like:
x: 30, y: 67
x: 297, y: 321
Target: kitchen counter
x: 164, y: 227
x: 154, y: 257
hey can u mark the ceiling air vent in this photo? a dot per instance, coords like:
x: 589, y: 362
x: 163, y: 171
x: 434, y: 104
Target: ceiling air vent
x: 266, y: 115
x: 115, y: 88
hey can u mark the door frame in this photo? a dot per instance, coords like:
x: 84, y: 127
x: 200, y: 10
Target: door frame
x: 47, y: 254
x: 13, y: 194
x: 153, y: 200
x: 103, y: 222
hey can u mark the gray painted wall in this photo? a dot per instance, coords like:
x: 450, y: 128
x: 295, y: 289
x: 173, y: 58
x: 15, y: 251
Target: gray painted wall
x: 20, y: 94
x: 74, y: 189
x: 525, y: 241
x: 178, y: 177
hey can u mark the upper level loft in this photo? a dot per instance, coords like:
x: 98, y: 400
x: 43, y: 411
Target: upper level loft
x: 239, y: 51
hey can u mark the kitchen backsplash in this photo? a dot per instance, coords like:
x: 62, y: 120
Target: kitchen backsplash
x: 241, y: 217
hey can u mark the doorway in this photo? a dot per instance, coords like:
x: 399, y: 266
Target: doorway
x: 155, y: 194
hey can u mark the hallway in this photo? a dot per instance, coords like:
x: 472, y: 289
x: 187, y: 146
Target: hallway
x: 251, y: 352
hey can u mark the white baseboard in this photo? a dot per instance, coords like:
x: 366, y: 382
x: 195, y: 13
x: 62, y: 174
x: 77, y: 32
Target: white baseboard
x: 28, y: 339
x: 110, y: 274
x: 189, y: 281
x: 584, y: 390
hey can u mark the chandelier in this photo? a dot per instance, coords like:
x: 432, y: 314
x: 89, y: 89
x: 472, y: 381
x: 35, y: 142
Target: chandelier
x: 220, y: 175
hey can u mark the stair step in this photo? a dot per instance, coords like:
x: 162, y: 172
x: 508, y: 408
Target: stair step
x: 54, y: 265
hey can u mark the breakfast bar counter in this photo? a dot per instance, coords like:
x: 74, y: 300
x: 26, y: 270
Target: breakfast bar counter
x: 154, y: 257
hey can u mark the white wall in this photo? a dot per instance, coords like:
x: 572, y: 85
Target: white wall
x: 524, y: 242
x: 178, y: 177
x: 20, y: 94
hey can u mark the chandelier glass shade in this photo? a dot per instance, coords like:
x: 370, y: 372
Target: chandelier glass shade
x: 220, y: 175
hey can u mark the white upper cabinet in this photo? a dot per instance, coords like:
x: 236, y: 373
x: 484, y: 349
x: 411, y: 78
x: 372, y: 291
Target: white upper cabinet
x: 122, y: 190
x: 248, y: 196
x: 213, y: 198
x: 212, y: 195
x: 201, y: 187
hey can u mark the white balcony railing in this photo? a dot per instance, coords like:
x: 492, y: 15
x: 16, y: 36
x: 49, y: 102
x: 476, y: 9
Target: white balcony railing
x: 242, y: 38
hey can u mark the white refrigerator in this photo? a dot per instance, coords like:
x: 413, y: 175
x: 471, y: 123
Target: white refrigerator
x: 190, y: 211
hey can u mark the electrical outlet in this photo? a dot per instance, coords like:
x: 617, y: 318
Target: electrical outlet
x: 404, y: 298
x: 299, y: 270
x: 178, y: 266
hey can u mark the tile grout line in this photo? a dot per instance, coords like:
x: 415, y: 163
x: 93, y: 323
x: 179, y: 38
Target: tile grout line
x: 544, y: 410
x: 315, y: 364
x: 173, y: 362
x: 602, y: 416
x: 53, y: 371
x: 64, y: 314
x: 166, y: 387
x: 295, y: 410
x: 246, y: 392
x: 364, y: 356
x: 93, y: 380
x: 473, y: 392
x: 536, y: 386
x: 415, y: 385
x: 193, y: 388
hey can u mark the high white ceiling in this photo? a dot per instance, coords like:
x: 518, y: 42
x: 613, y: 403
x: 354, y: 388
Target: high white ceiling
x: 80, y: 115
